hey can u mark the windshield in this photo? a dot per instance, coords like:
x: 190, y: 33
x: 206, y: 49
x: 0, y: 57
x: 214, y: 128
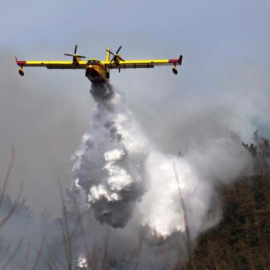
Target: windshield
x: 93, y: 62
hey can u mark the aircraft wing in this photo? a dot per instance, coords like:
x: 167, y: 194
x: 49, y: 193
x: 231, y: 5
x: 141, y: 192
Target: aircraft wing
x: 143, y: 63
x: 53, y: 64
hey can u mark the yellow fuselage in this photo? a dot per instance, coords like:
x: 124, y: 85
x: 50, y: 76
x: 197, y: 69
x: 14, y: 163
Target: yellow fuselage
x: 96, y: 73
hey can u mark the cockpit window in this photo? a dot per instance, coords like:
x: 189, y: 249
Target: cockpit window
x: 93, y: 62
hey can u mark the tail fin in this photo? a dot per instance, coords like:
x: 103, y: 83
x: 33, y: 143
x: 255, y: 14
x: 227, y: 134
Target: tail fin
x: 108, y: 56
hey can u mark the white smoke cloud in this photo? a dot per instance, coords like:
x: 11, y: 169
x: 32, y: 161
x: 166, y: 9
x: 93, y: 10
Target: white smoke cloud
x: 123, y: 174
x: 161, y: 207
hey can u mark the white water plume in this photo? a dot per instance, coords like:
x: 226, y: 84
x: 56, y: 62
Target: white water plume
x: 161, y: 209
x: 109, y: 165
x: 124, y: 175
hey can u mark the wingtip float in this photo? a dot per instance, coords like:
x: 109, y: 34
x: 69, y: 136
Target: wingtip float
x: 98, y: 71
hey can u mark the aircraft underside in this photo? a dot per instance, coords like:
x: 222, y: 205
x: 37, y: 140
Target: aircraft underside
x: 94, y: 76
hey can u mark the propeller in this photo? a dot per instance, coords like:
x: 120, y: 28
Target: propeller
x: 116, y: 56
x: 75, y: 55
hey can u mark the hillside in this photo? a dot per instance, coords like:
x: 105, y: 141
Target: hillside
x: 242, y: 239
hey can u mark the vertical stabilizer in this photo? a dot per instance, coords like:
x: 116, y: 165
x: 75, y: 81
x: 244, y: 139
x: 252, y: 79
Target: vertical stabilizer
x: 108, y: 56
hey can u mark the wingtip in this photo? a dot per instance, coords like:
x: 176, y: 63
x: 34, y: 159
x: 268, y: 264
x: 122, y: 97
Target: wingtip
x: 180, y: 59
x: 19, y: 62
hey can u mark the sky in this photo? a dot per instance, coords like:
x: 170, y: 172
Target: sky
x: 225, y: 45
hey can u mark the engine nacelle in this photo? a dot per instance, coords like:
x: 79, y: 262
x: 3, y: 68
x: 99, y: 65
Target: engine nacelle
x: 21, y: 72
x: 174, y: 70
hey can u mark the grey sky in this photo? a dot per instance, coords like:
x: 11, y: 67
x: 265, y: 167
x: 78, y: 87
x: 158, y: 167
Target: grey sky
x: 203, y: 26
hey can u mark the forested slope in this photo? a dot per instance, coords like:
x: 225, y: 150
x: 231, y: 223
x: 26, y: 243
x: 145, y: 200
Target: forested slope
x: 242, y: 239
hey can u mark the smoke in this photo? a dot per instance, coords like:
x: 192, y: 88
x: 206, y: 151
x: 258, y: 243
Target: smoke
x: 126, y: 169
x: 161, y: 209
x: 124, y: 175
x: 43, y: 119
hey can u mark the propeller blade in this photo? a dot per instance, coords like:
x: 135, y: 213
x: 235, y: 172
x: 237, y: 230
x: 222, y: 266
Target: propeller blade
x: 119, y: 57
x: 75, y: 50
x: 110, y: 52
x: 118, y: 50
x: 68, y: 54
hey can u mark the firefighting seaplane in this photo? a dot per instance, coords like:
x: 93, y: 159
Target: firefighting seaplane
x: 99, y: 71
